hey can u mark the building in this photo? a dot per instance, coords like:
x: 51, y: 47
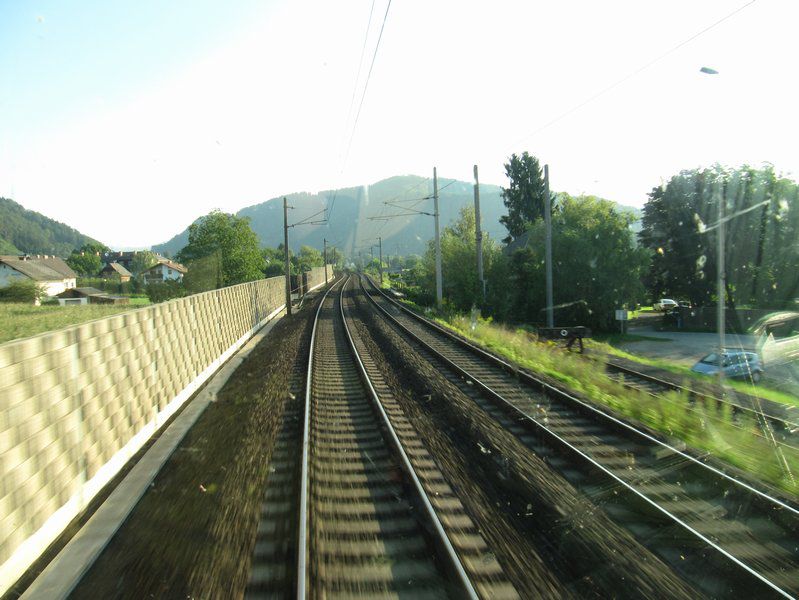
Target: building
x: 50, y: 272
x: 114, y: 270
x: 165, y: 270
x: 89, y: 295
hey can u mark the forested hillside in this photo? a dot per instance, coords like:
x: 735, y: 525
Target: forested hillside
x: 23, y: 230
x: 351, y: 209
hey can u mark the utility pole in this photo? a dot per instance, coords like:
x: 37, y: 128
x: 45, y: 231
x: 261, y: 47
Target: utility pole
x: 380, y: 242
x: 478, y: 234
x: 439, y: 284
x: 720, y: 322
x: 286, y: 253
x: 324, y: 255
x: 548, y: 222
x: 372, y: 252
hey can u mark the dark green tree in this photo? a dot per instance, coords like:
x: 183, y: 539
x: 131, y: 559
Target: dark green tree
x: 308, y: 258
x: 679, y: 230
x: 87, y: 261
x: 524, y: 196
x: 597, y: 266
x: 142, y: 260
x: 232, y: 241
x: 459, y: 265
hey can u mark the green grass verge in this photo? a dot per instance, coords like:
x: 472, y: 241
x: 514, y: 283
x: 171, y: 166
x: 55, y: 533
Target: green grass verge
x: 704, y: 428
x: 744, y: 387
x: 24, y: 320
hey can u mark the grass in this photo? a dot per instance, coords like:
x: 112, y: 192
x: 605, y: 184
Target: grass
x: 24, y: 320
x: 606, y: 347
x: 704, y: 428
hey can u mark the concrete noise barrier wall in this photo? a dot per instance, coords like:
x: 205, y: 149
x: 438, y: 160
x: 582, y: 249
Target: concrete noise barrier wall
x: 77, y: 403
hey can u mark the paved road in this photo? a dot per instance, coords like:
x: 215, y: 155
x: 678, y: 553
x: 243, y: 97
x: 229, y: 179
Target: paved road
x: 682, y: 348
x: 686, y: 348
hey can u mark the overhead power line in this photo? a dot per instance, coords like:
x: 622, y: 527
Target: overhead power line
x: 360, y: 61
x: 366, y: 85
x: 626, y: 78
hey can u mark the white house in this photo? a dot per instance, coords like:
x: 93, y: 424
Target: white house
x: 50, y: 272
x: 164, y: 271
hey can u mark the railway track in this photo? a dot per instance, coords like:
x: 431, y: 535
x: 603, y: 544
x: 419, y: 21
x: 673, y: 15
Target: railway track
x: 367, y: 527
x: 775, y: 422
x: 723, y: 535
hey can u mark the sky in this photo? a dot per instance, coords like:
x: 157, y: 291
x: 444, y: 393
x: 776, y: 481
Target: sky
x: 128, y: 120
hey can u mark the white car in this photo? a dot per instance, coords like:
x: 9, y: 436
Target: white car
x: 664, y: 305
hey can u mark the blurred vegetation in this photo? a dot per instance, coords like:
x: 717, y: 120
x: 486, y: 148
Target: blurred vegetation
x: 703, y: 427
x: 24, y: 320
x: 26, y: 231
x: 22, y: 291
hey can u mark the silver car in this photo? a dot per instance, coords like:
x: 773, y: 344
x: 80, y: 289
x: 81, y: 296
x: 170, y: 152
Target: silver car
x: 735, y: 363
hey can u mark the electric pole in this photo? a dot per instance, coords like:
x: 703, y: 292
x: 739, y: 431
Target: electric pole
x: 286, y: 253
x: 478, y: 234
x: 439, y: 284
x: 720, y: 322
x: 548, y: 222
x: 324, y: 255
x: 380, y: 242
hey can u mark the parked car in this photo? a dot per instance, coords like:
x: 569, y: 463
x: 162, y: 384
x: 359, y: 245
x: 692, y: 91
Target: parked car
x: 735, y: 363
x: 685, y: 304
x: 664, y: 304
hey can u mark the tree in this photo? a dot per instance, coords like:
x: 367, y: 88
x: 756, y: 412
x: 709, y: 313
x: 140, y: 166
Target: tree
x: 524, y: 197
x: 596, y: 265
x: 232, y: 241
x: 142, y: 260
x: 761, y: 254
x: 459, y: 264
x: 22, y: 290
x: 275, y: 261
x: 87, y: 260
x: 203, y: 274
x: 308, y: 258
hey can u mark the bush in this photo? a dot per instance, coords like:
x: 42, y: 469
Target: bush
x: 22, y: 290
x: 161, y: 292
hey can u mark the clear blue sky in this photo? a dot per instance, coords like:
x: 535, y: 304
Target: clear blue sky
x: 166, y: 110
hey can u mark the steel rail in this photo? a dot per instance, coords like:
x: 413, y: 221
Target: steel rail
x: 451, y: 554
x: 560, y: 394
x: 302, y: 536
x: 552, y: 435
x: 735, y: 406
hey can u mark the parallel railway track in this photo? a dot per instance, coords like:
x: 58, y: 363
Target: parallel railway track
x: 722, y: 534
x: 367, y: 527
x: 775, y: 423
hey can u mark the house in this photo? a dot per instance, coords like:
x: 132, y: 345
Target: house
x: 89, y: 295
x: 50, y: 272
x: 122, y: 258
x: 165, y: 270
x: 114, y: 270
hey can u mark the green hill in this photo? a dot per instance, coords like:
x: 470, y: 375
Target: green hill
x: 23, y: 230
x: 349, y: 223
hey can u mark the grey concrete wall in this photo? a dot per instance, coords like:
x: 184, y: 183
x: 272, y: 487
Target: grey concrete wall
x: 77, y: 403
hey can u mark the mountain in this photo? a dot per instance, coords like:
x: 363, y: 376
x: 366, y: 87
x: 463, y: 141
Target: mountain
x: 350, y: 211
x: 349, y: 226
x: 26, y: 231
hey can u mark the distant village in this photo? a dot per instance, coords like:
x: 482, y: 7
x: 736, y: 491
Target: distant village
x: 58, y: 281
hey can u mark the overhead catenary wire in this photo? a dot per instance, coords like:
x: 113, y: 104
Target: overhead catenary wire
x: 366, y: 85
x: 637, y: 71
